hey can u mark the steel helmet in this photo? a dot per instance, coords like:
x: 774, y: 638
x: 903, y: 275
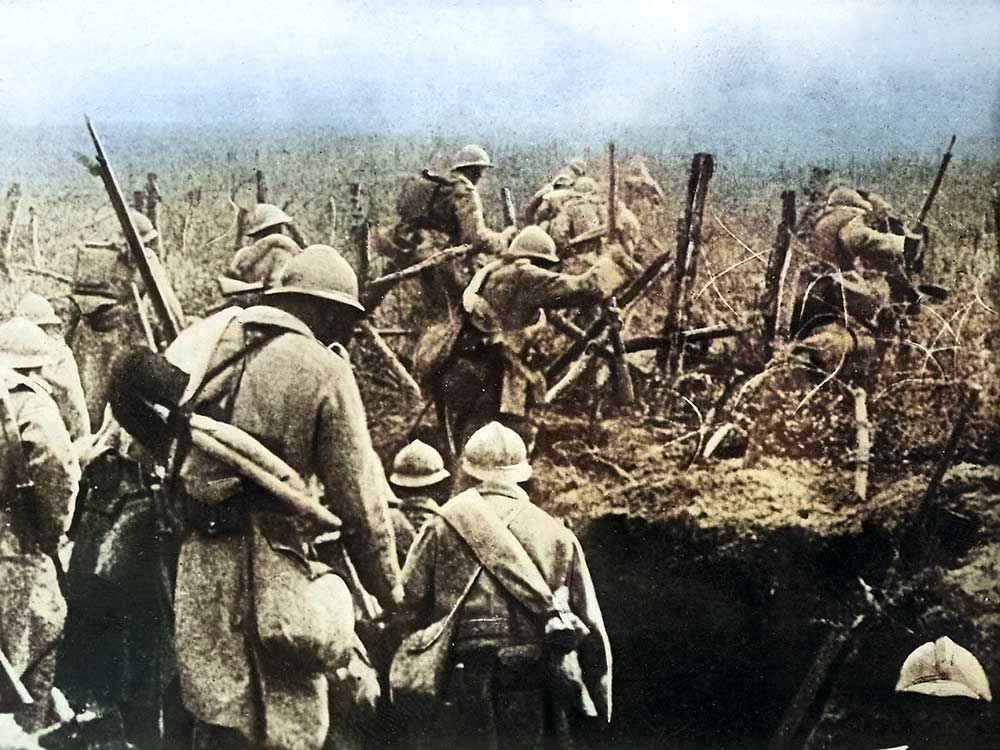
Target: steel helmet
x: 532, y: 242
x: 25, y: 346
x: 320, y: 271
x: 472, y: 156
x: 143, y: 226
x: 37, y: 309
x: 418, y: 465
x: 497, y: 453
x: 944, y: 668
x: 265, y: 216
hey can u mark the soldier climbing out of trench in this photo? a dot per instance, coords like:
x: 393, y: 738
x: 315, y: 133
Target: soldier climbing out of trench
x: 437, y: 212
x: 481, y: 373
x: 859, y: 270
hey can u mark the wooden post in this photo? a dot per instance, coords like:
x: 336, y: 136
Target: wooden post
x: 775, y: 305
x: 332, y: 219
x: 612, y: 195
x: 261, y: 185
x: 9, y: 228
x: 995, y: 201
x: 685, y: 265
x: 36, y: 254
x: 153, y: 200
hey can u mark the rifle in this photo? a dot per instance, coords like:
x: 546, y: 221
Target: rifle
x: 834, y: 650
x: 167, y: 318
x: 13, y: 694
x: 942, y: 168
x: 509, y: 212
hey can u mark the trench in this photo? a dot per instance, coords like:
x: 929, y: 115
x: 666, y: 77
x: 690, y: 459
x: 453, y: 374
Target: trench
x: 711, y: 637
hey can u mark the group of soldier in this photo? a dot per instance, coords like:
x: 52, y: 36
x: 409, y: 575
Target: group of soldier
x: 203, y: 545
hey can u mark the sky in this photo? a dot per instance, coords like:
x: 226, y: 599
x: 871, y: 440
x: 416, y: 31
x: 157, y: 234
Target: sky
x: 883, y: 72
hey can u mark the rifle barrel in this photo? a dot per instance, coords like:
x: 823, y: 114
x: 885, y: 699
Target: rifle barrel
x: 938, y: 178
x: 163, y: 312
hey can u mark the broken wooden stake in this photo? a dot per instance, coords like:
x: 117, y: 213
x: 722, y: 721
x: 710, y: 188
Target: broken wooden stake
x: 36, y: 254
x: 775, y: 304
x: 9, y: 228
x: 686, y: 262
x: 863, y: 446
x: 153, y: 200
x: 261, y: 185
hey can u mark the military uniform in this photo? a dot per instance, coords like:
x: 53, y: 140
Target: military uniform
x: 39, y: 477
x: 102, y: 319
x: 436, y: 212
x: 257, y: 267
x: 300, y: 400
x: 487, y: 374
x: 500, y: 689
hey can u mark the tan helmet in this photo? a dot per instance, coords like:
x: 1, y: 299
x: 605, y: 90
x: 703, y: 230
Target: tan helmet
x: 320, y: 271
x: 562, y: 181
x: 37, y: 309
x: 532, y: 242
x: 496, y: 453
x: 418, y: 465
x: 265, y: 216
x: 472, y: 156
x: 25, y: 346
x: 944, y: 668
x: 143, y: 226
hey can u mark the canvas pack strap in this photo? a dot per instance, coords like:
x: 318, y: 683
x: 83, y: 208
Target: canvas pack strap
x: 499, y: 551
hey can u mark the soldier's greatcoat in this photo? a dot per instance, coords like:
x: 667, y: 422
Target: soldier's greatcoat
x: 36, y: 454
x: 501, y: 697
x: 300, y: 400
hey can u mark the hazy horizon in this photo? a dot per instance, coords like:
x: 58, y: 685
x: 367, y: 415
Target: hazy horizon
x: 794, y: 78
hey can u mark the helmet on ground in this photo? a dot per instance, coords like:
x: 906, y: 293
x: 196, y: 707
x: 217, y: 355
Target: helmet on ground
x: 578, y: 167
x: 472, y: 156
x: 25, y: 346
x: 265, y: 216
x: 943, y: 668
x: 320, y: 271
x: 532, y: 242
x: 37, y: 309
x: 143, y: 226
x: 496, y: 453
x: 418, y: 465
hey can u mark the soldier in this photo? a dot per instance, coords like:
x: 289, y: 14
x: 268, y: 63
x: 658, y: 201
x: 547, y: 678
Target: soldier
x: 440, y: 211
x: 527, y: 646
x: 257, y: 267
x: 486, y: 373
x: 102, y: 319
x: 572, y: 214
x: 281, y: 374
x: 418, y: 481
x: 941, y: 700
x: 63, y: 375
x: 39, y: 478
x: 856, y: 270
x: 564, y: 179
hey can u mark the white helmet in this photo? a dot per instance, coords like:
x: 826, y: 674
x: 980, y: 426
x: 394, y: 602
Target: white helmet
x: 944, y: 668
x: 497, y: 453
x: 418, y: 465
x: 25, y: 346
x: 34, y: 307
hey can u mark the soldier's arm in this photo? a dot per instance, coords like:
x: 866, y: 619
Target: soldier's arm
x: 540, y: 288
x: 595, y: 650
x: 882, y: 251
x: 472, y: 227
x: 356, y: 488
x: 417, y: 608
x: 64, y: 377
x: 52, y: 467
